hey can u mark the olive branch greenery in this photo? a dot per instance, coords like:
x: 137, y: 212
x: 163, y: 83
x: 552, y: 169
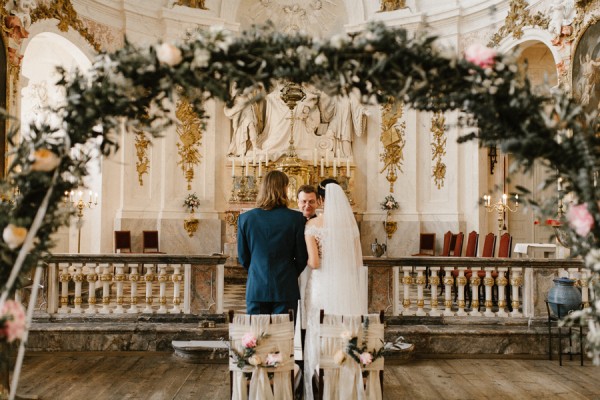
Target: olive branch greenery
x: 380, y: 62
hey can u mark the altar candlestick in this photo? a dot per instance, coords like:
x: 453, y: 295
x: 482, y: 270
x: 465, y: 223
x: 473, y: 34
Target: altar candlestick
x: 259, y: 167
x: 247, y: 173
x: 504, y: 196
x: 90, y: 193
x: 96, y: 198
x: 266, y: 158
x: 322, y: 168
x: 232, y: 167
x: 348, y: 167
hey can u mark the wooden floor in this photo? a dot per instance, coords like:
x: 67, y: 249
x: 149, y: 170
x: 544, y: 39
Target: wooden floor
x: 132, y: 375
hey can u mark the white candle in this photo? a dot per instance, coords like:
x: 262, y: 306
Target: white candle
x: 348, y: 167
x: 253, y: 157
x: 80, y: 194
x: 334, y: 167
x: 315, y: 157
x: 266, y: 158
x: 90, y: 193
x: 259, y: 167
x: 247, y: 167
x: 516, y: 199
x: 559, y: 184
x: 96, y: 198
x: 322, y: 168
x: 232, y: 167
x: 504, y: 196
x: 327, y: 158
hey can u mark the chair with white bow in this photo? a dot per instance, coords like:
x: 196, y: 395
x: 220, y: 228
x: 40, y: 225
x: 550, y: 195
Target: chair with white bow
x: 351, y: 357
x: 261, y: 345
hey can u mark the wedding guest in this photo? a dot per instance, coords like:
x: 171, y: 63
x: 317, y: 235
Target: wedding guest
x: 272, y: 248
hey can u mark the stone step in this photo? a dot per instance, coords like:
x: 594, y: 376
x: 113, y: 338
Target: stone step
x: 432, y: 337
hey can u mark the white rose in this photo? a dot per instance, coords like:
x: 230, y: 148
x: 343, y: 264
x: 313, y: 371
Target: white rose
x: 201, y: 58
x: 14, y: 236
x: 254, y: 360
x: 337, y: 41
x: 168, y: 54
x: 321, y: 59
x: 339, y: 357
x: 45, y: 160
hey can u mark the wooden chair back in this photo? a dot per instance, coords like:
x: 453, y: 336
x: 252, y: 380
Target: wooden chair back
x: 448, y: 243
x: 489, y: 245
x: 472, y: 241
x: 505, y: 247
x: 122, y: 241
x: 150, y: 242
x: 458, y: 244
x: 426, y: 244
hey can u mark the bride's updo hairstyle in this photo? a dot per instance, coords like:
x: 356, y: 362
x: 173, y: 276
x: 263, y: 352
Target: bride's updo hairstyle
x: 273, y: 191
x: 321, y: 188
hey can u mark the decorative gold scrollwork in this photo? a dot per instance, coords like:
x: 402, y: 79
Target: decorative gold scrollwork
x: 199, y: 4
x: 393, y: 138
x: 190, y: 225
x: 190, y: 135
x: 438, y: 148
x: 518, y: 17
x: 143, y: 163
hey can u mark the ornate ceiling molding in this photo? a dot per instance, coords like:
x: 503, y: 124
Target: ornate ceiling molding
x: 518, y: 18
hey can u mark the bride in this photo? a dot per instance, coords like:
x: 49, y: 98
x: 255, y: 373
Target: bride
x: 335, y: 256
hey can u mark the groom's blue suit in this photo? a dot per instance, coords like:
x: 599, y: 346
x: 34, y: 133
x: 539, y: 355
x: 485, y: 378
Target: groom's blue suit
x: 271, y: 247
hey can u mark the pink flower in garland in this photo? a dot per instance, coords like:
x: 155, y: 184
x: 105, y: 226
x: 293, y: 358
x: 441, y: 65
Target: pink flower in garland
x: 13, y: 326
x: 580, y: 219
x: 249, y: 340
x: 480, y: 55
x: 366, y: 358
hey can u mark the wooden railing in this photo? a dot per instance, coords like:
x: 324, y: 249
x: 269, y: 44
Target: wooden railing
x: 133, y: 283
x: 405, y: 279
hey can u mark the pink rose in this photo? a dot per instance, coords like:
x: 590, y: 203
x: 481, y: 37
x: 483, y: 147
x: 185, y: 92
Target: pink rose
x: 366, y: 358
x: 480, y: 55
x: 580, y: 219
x: 14, y: 326
x: 273, y: 359
x: 249, y: 340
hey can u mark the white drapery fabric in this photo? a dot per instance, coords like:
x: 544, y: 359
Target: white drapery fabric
x: 278, y: 336
x: 345, y: 381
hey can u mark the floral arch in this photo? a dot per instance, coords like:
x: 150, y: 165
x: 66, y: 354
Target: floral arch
x: 380, y: 62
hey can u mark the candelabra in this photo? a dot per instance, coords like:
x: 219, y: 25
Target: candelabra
x: 79, y: 204
x: 501, y: 207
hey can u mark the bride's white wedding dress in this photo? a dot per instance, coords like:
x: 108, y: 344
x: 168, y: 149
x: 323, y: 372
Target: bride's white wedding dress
x: 337, y: 286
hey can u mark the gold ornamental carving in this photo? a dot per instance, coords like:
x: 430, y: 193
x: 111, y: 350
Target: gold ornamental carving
x: 407, y: 280
x: 518, y: 18
x: 63, y: 11
x: 434, y: 280
x: 393, y: 139
x: 448, y: 280
x: 199, y: 4
x: 475, y: 304
x: 190, y: 225
x: 142, y: 164
x: 189, y: 131
x: 421, y: 280
x: 475, y: 281
x: 438, y: 148
x: 392, y: 5
x: 516, y: 281
x: 501, y: 281
x: 488, y: 281
x: 406, y: 303
x: 461, y: 280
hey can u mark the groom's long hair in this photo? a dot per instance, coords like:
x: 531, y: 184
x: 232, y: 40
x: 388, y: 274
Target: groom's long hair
x: 273, y: 191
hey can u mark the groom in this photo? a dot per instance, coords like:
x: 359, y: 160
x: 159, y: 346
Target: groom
x: 271, y: 247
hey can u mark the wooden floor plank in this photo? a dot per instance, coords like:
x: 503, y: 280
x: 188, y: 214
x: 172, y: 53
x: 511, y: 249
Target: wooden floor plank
x: 146, y: 375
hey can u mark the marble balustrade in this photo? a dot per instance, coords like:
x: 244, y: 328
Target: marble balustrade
x: 133, y: 284
x: 412, y: 285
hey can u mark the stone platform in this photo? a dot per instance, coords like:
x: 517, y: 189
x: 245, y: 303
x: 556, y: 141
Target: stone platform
x: 433, y: 337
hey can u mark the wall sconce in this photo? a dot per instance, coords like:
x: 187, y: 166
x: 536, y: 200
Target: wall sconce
x: 493, y: 155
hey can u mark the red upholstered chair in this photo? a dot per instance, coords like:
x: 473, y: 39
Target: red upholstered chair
x: 150, y: 242
x: 472, y: 242
x: 426, y: 244
x: 448, y: 244
x: 122, y: 241
x: 505, y: 248
x: 457, y: 244
x: 489, y: 247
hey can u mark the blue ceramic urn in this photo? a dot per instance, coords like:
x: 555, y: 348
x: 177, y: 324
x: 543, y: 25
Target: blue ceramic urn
x: 564, y: 292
